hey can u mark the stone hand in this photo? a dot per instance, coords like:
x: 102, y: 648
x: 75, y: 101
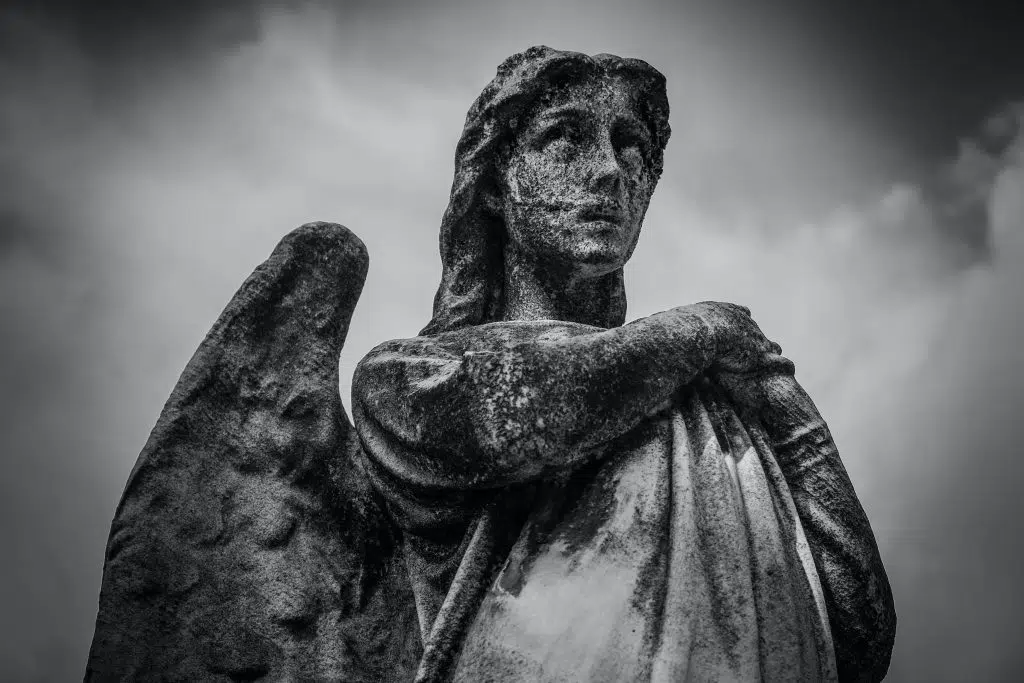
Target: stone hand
x: 746, y: 364
x: 740, y: 345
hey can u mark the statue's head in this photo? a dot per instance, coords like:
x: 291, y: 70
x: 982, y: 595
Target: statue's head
x: 557, y: 163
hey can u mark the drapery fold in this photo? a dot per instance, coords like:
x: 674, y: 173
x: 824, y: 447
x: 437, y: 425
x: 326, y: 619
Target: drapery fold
x: 677, y: 559
x: 702, y: 542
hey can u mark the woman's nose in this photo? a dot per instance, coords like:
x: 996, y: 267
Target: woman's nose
x: 607, y: 172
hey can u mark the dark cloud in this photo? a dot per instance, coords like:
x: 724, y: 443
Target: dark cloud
x: 15, y: 230
x: 113, y: 30
x: 955, y: 198
x: 932, y: 69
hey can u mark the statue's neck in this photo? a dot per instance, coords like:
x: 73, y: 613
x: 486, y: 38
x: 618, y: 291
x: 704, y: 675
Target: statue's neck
x: 534, y: 291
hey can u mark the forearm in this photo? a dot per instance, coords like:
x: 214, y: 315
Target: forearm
x: 857, y: 592
x: 510, y: 402
x: 577, y: 393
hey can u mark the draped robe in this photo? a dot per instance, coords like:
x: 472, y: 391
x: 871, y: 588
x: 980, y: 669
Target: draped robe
x: 704, y: 542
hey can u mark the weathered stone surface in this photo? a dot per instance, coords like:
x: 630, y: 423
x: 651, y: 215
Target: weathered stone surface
x: 562, y: 496
x: 553, y: 173
x: 582, y: 499
x: 248, y: 544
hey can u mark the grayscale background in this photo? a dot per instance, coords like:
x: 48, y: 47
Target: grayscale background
x: 853, y: 172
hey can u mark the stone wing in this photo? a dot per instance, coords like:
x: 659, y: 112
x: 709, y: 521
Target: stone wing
x: 248, y: 544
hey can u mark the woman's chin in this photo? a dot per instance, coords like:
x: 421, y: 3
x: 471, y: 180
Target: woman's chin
x: 598, y: 257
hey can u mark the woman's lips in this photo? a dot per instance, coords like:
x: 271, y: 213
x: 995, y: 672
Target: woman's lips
x: 599, y: 213
x: 587, y: 211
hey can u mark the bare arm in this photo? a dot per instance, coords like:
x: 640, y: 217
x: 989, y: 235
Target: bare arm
x: 509, y: 402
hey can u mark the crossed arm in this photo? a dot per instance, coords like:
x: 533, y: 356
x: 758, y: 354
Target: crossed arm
x: 512, y: 402
x: 505, y: 403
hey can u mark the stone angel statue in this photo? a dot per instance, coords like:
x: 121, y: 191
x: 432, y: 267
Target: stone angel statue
x: 533, y: 489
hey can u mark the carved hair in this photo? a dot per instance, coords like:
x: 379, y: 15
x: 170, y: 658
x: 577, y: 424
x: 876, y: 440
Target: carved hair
x: 473, y: 229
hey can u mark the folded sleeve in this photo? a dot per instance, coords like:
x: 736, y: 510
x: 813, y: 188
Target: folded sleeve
x: 857, y: 592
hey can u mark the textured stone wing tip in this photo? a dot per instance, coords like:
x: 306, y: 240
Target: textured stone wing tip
x: 333, y: 243
x: 325, y: 234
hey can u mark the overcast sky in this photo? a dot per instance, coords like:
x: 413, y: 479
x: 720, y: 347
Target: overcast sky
x: 854, y: 173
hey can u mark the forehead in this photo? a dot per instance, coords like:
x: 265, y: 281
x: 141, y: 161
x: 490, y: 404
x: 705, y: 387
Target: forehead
x: 605, y: 98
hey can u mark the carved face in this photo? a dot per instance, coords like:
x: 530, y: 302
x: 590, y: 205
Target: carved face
x: 577, y: 182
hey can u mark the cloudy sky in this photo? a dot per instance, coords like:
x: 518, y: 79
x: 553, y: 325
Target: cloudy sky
x: 853, y: 172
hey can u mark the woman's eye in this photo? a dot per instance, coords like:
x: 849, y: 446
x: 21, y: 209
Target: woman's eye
x: 562, y: 133
x: 632, y: 141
